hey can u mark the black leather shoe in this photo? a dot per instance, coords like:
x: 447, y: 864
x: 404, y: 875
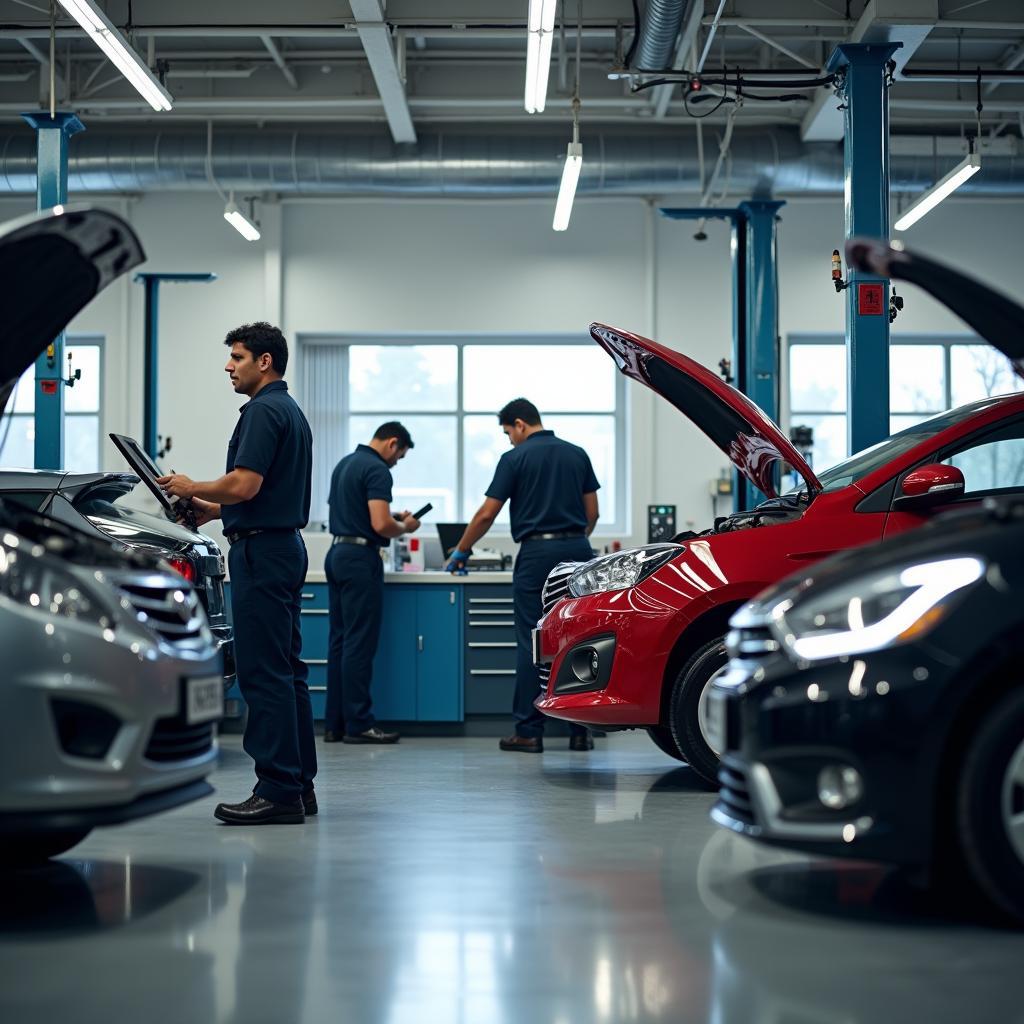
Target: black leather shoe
x: 332, y: 737
x: 257, y: 811
x: 581, y: 743
x: 524, y: 744
x: 309, y: 803
x: 373, y: 735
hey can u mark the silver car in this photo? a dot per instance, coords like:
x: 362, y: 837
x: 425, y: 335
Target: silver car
x: 112, y: 682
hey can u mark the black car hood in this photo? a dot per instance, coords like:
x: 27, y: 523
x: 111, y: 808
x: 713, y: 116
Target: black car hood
x: 52, y: 265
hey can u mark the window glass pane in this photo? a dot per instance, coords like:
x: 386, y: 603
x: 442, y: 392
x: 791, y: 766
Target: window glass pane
x: 24, y: 398
x: 82, y: 444
x: 979, y: 371
x: 829, y: 439
x: 596, y: 435
x: 17, y: 435
x: 483, y: 444
x: 391, y: 378
x: 817, y: 378
x: 85, y: 395
x: 998, y: 461
x: 901, y: 422
x: 562, y: 378
x: 916, y: 378
x: 427, y: 473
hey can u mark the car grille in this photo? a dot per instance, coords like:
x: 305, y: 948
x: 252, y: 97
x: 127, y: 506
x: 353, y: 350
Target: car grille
x: 734, y: 795
x: 556, y: 586
x: 752, y: 642
x: 170, y: 610
x: 174, y: 739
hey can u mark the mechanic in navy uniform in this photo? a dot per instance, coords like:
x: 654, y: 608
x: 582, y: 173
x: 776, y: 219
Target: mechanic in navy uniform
x: 361, y: 524
x: 263, y: 501
x: 552, y: 491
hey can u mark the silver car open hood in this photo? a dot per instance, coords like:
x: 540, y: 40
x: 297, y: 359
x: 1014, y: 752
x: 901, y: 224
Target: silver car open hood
x: 52, y: 265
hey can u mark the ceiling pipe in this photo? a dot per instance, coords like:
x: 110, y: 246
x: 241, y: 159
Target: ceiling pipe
x: 312, y: 161
x: 660, y: 25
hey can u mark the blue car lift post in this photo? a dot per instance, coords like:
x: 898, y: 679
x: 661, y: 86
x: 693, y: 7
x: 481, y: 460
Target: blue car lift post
x: 151, y: 371
x: 755, y: 296
x: 865, y: 96
x: 52, y: 135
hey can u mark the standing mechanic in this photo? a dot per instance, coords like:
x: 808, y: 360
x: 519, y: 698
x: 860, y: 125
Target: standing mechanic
x: 553, y: 493
x: 263, y: 500
x: 361, y: 523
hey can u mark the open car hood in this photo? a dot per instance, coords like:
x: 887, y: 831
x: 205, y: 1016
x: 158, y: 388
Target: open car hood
x: 51, y: 266
x: 996, y: 317
x: 751, y: 441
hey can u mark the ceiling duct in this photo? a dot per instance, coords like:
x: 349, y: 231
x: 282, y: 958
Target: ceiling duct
x: 659, y: 28
x: 314, y: 162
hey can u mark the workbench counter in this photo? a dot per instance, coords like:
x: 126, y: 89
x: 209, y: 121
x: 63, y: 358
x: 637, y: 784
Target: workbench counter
x: 435, y: 577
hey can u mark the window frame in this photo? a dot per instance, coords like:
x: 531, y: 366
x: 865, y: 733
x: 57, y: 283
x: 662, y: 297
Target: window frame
x: 618, y: 526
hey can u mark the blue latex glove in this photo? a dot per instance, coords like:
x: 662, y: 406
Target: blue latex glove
x: 457, y: 562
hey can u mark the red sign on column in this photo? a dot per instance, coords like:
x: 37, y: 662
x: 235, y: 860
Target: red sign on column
x: 870, y: 298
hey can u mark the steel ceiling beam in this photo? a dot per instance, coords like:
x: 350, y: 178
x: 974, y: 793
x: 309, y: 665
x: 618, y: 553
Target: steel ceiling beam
x: 375, y: 36
x: 278, y: 59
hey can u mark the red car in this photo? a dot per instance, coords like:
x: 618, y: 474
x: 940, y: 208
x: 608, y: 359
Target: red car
x: 633, y: 639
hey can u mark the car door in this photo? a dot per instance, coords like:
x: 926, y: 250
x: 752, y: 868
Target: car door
x: 992, y: 462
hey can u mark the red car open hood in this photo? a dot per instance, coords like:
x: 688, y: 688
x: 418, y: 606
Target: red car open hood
x: 752, y: 442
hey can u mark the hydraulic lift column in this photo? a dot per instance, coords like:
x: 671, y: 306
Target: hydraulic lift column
x: 52, y: 136
x: 865, y: 96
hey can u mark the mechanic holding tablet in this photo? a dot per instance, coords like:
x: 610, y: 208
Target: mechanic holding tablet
x: 263, y: 500
x: 361, y: 523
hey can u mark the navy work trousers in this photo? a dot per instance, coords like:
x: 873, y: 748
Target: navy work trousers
x: 267, y: 573
x: 535, y: 560
x: 355, y: 577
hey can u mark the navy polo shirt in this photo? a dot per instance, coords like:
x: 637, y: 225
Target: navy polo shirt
x: 544, y: 479
x: 360, y: 477
x: 272, y: 438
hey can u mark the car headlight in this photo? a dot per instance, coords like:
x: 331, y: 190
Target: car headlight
x: 872, y: 612
x: 622, y: 569
x: 40, y: 583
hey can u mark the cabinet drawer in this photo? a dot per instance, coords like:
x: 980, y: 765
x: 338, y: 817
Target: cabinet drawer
x: 489, y: 691
x: 483, y: 631
x: 489, y: 657
x: 315, y: 630
x: 314, y: 596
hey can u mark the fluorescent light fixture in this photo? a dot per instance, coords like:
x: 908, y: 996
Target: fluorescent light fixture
x: 567, y: 190
x: 238, y: 220
x: 540, y: 36
x: 103, y: 33
x: 928, y: 200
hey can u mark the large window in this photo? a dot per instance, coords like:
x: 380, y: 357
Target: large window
x: 447, y: 393
x: 925, y: 377
x: 82, y: 404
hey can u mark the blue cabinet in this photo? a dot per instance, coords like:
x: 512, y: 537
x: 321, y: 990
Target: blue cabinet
x: 438, y: 653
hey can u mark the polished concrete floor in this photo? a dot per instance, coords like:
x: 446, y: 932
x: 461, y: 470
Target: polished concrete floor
x: 445, y: 881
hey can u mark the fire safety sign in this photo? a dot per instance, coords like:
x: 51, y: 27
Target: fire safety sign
x: 870, y: 298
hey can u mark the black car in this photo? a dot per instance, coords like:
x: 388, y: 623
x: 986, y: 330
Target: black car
x: 94, y: 503
x: 873, y: 706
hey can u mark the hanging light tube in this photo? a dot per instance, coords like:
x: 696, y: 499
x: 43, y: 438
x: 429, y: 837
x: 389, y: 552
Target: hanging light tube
x: 929, y: 199
x: 567, y: 190
x: 242, y: 224
x: 103, y: 33
x: 539, y: 38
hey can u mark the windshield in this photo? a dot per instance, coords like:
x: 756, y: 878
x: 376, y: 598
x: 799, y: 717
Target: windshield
x: 858, y: 466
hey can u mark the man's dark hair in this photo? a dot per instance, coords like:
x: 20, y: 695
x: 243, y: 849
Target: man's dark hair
x: 394, y: 429
x: 519, y: 409
x: 259, y: 338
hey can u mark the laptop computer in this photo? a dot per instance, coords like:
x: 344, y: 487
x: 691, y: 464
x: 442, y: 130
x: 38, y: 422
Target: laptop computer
x: 449, y: 535
x: 148, y: 472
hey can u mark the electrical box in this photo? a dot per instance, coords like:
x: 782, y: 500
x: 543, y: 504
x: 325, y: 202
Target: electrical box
x: 661, y: 523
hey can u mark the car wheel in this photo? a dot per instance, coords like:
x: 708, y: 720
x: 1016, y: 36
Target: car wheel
x: 662, y: 737
x: 32, y: 848
x: 688, y: 709
x: 990, y: 806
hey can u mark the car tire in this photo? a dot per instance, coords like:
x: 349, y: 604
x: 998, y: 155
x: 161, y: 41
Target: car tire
x: 35, y: 847
x: 686, y: 708
x: 663, y: 740
x: 990, y: 806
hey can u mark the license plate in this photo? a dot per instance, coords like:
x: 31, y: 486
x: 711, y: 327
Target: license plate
x: 204, y: 699
x: 716, y: 717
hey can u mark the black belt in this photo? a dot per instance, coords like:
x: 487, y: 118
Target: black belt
x: 559, y: 535
x: 361, y: 541
x: 236, y: 535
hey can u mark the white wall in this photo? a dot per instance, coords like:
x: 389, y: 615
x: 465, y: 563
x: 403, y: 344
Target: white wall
x: 438, y: 266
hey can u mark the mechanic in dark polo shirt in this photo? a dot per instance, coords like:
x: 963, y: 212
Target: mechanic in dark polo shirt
x: 263, y: 501
x: 553, y: 494
x: 361, y: 524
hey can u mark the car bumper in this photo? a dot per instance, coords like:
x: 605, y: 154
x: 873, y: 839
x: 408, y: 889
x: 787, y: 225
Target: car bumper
x: 224, y: 637
x: 780, y: 735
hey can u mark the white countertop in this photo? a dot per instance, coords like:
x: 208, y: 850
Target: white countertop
x: 438, y: 577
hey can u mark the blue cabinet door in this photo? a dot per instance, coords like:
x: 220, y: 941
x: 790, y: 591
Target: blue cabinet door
x: 439, y: 649
x: 393, y: 690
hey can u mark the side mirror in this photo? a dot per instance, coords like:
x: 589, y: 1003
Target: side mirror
x: 929, y: 486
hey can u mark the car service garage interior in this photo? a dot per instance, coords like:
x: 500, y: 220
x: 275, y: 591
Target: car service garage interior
x: 512, y: 511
